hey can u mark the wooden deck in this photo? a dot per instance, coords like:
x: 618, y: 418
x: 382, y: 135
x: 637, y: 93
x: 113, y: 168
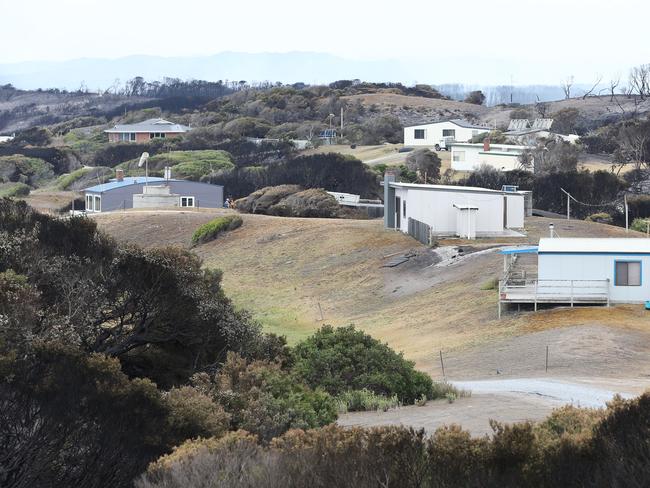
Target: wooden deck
x: 571, y: 292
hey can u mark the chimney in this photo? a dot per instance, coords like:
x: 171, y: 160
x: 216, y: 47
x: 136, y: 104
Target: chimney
x: 119, y: 174
x: 486, y: 144
x: 551, y: 230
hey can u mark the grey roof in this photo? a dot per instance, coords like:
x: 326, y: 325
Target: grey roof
x: 459, y: 122
x: 151, y: 125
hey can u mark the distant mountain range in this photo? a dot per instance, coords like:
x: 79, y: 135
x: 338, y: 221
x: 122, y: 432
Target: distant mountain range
x: 290, y: 67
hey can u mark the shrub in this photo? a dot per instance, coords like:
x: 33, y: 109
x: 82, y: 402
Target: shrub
x: 23, y: 169
x: 441, y: 389
x: 307, y: 203
x: 475, y: 97
x: 14, y: 190
x: 210, y: 231
x: 83, y: 177
x: 364, y: 400
x: 262, y: 200
x: 343, y: 359
x: 192, y: 165
x: 601, y: 218
x: 491, y: 284
x: 640, y: 225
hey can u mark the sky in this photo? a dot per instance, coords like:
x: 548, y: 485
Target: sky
x: 531, y: 41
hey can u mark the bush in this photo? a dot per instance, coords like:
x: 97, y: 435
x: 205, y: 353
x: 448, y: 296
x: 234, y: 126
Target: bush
x: 601, y: 218
x: 343, y: 359
x: 23, y: 169
x: 192, y: 165
x: 475, y: 97
x: 365, y: 400
x: 84, y: 177
x: 14, y: 190
x: 640, y: 225
x: 210, y: 231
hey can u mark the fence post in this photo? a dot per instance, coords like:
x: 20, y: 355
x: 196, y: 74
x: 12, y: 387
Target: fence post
x: 536, y: 282
x: 443, y: 365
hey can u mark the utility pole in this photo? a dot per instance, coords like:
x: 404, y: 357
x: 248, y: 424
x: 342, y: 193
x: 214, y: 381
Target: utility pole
x: 627, y: 227
x: 568, y: 204
x: 341, y: 122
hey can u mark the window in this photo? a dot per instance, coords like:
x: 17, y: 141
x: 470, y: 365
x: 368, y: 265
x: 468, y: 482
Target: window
x: 627, y: 273
x: 156, y: 135
x: 127, y: 137
x: 448, y: 132
x: 419, y: 134
x: 89, y: 203
x: 404, y: 208
x: 187, y: 201
x: 459, y: 156
x: 98, y: 203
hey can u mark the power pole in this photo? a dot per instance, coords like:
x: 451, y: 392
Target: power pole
x: 568, y: 204
x: 341, y: 122
x: 627, y: 227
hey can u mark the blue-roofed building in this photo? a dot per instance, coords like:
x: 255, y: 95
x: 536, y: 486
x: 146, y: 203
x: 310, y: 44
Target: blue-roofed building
x: 152, y: 192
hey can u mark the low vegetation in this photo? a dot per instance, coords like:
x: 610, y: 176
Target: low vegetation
x: 572, y: 447
x: 210, y: 231
x: 191, y: 165
x: 365, y: 400
x: 14, y: 190
x: 22, y: 169
x: 290, y: 201
x: 84, y: 177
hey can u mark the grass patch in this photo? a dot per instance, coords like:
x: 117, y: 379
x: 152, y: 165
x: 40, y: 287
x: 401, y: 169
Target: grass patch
x: 83, y: 177
x: 492, y: 284
x: 365, y: 400
x: 14, y: 190
x: 210, y: 231
x: 444, y: 389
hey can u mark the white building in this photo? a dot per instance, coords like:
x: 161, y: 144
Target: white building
x: 439, y: 135
x: 621, y: 265
x: 439, y: 210
x: 469, y: 157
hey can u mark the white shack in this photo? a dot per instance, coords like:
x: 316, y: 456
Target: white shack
x: 424, y: 211
x: 469, y: 157
x: 621, y: 265
x: 440, y: 135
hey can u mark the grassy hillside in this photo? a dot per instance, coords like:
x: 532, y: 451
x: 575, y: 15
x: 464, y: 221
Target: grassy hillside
x: 282, y: 269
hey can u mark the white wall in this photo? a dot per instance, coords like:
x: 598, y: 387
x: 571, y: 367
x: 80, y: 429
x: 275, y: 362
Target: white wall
x: 436, y: 208
x: 470, y: 157
x: 596, y: 267
x: 433, y: 134
x: 515, y: 211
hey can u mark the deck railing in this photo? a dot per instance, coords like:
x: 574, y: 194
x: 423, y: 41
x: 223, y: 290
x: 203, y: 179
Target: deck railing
x: 522, y: 290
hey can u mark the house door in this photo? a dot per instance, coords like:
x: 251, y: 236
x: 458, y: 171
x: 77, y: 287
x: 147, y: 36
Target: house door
x: 398, y: 213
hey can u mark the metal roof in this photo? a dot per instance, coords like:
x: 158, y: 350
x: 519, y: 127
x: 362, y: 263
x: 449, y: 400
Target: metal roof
x: 150, y: 125
x: 459, y: 122
x: 520, y: 250
x: 586, y: 245
x: 127, y: 181
x: 518, y: 124
x: 420, y: 186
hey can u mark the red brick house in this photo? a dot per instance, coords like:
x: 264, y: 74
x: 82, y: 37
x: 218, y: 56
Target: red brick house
x: 144, y: 131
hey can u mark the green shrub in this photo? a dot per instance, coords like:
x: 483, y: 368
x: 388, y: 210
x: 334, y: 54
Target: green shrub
x: 210, y: 231
x: 14, y: 190
x: 640, y: 225
x: 365, y: 400
x: 24, y: 169
x: 601, y: 218
x: 83, y: 177
x: 441, y: 389
x: 343, y: 359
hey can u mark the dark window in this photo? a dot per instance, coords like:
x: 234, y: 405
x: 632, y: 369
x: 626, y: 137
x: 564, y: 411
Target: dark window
x: 419, y: 134
x: 404, y: 208
x: 448, y: 132
x: 628, y: 273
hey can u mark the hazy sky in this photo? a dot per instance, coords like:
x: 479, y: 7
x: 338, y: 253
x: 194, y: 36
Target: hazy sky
x: 530, y: 39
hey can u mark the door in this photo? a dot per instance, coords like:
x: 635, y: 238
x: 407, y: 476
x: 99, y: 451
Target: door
x: 398, y: 213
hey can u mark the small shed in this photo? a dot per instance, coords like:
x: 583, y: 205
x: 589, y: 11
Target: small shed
x: 466, y: 220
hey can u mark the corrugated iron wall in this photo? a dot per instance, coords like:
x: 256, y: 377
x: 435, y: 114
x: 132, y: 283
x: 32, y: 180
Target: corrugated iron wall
x: 419, y: 230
